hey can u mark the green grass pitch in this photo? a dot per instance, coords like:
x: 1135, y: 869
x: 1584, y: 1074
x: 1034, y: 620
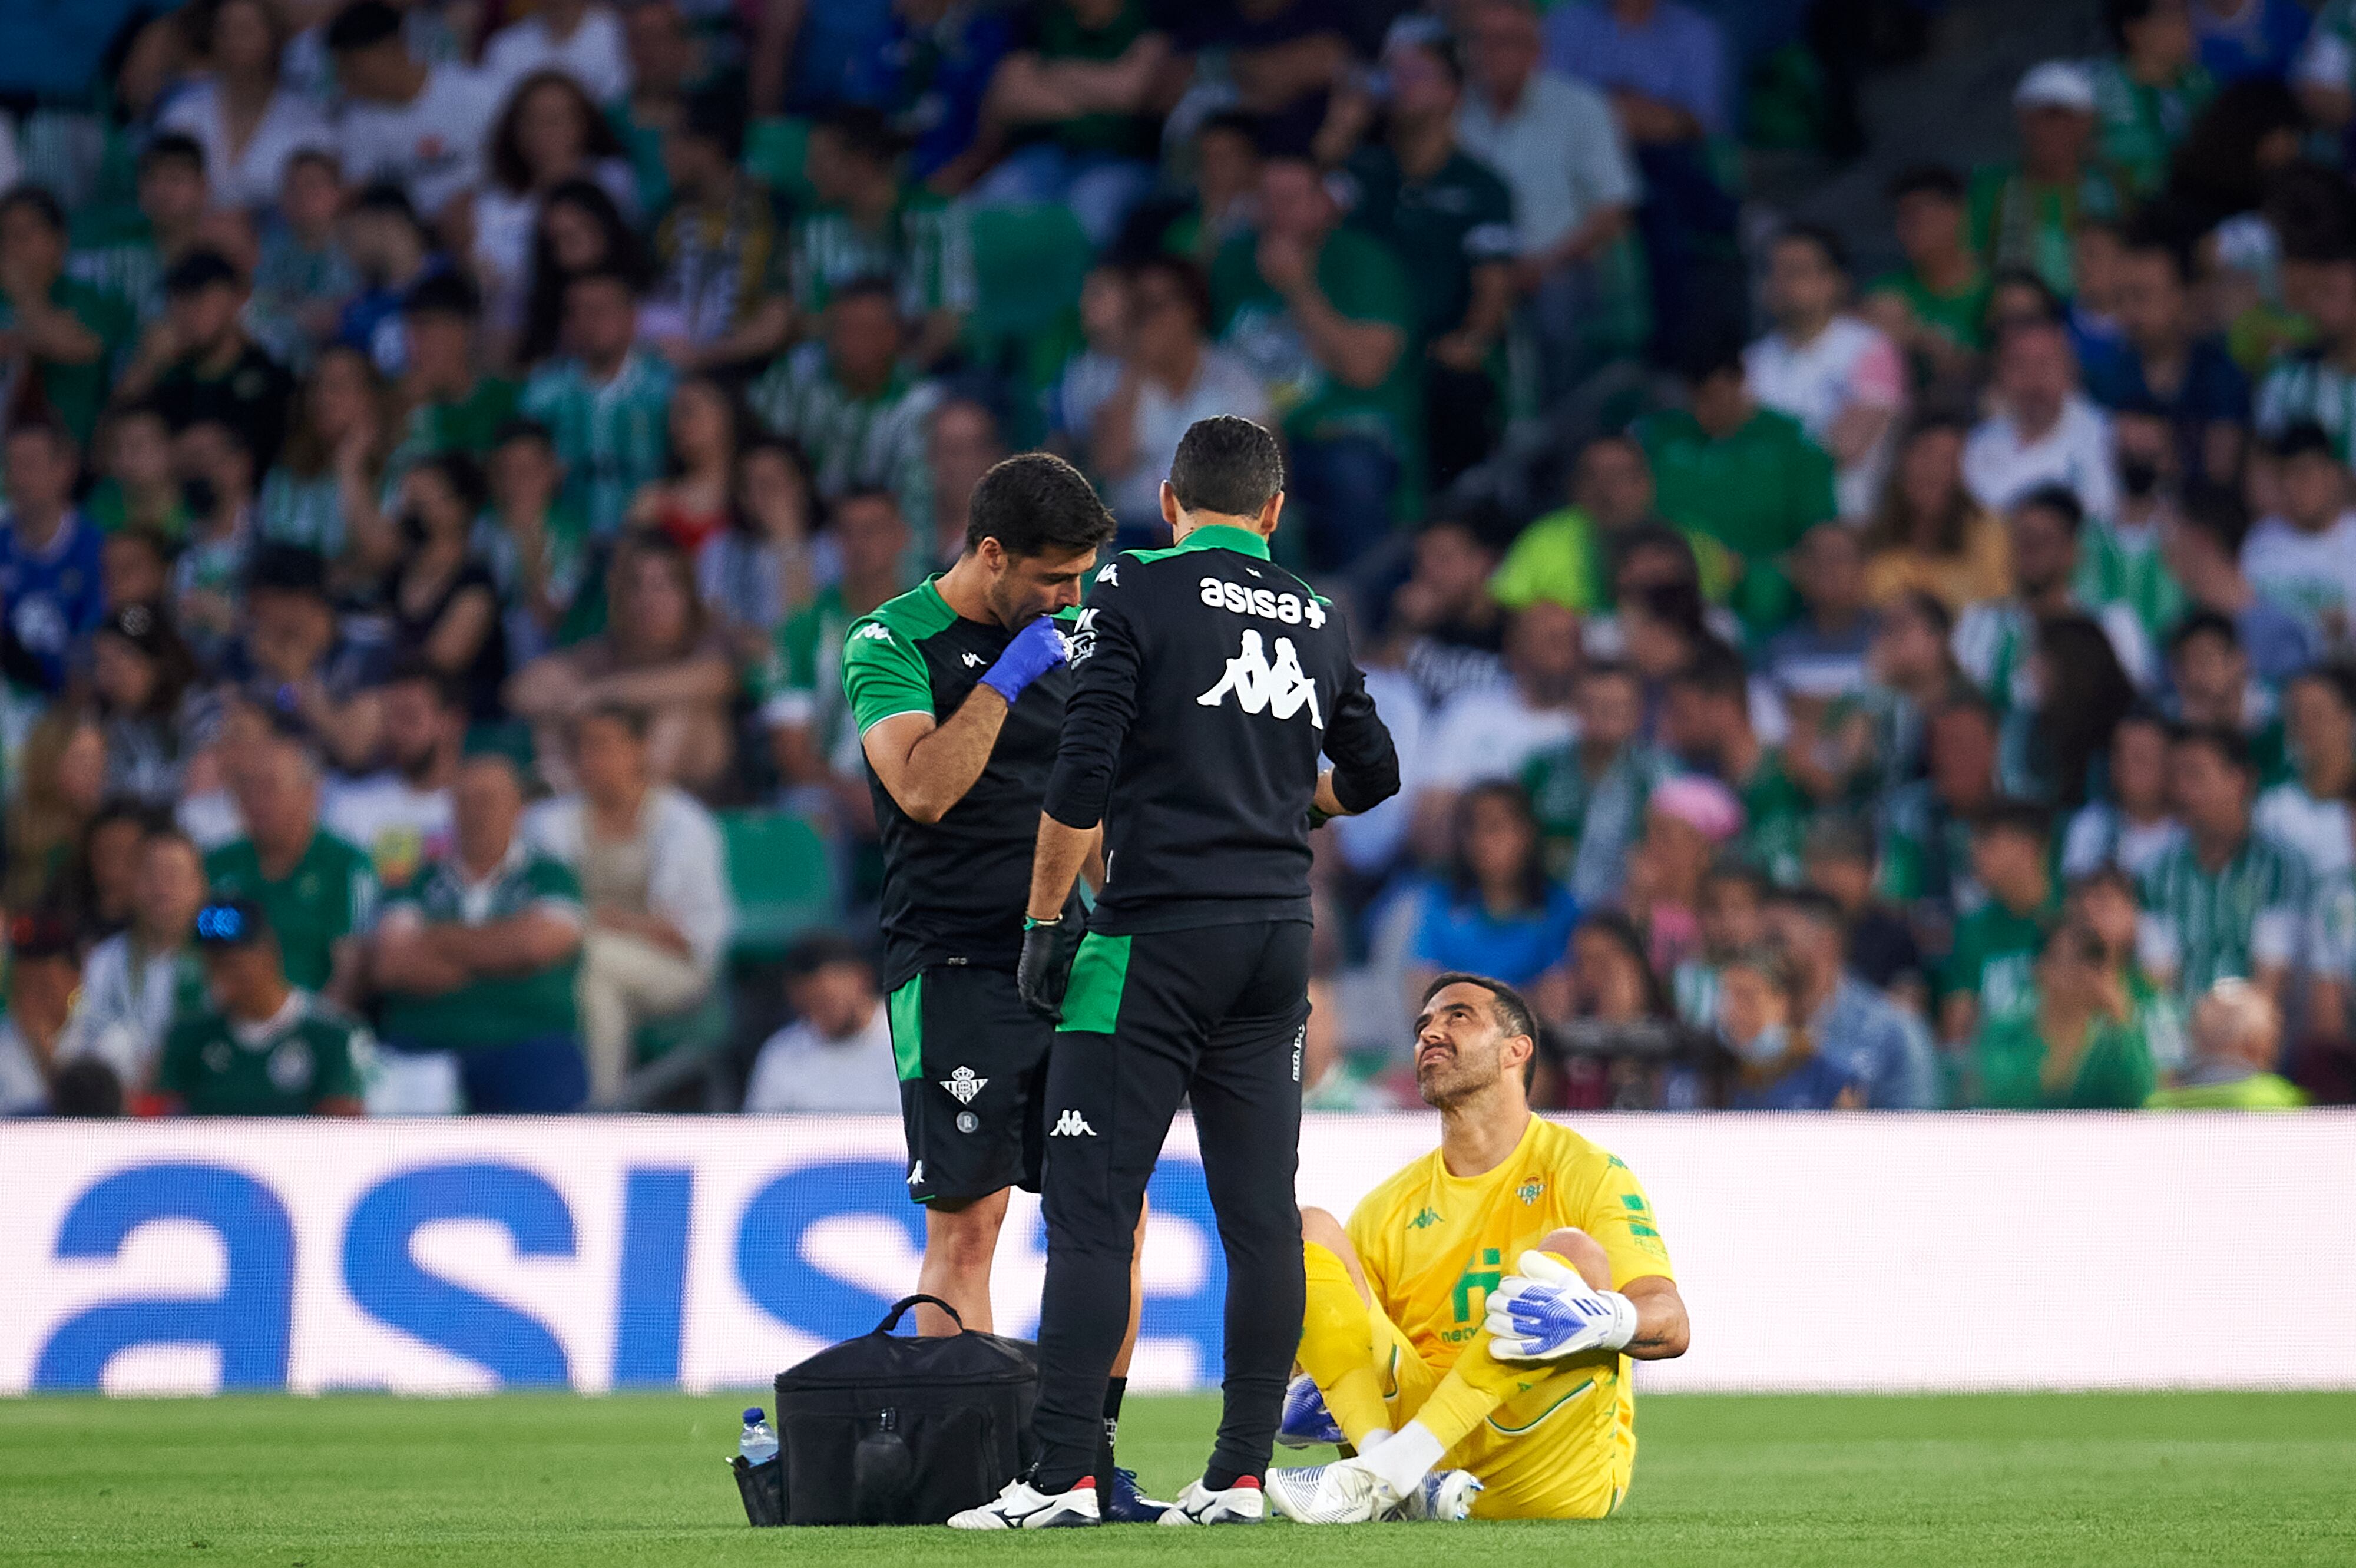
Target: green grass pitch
x: 2020, y: 1481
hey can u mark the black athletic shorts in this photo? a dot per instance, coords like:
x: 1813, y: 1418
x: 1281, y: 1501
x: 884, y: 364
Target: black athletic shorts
x: 973, y: 1065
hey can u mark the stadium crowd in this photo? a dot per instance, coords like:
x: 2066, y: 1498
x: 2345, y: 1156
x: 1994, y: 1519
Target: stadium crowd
x: 446, y: 444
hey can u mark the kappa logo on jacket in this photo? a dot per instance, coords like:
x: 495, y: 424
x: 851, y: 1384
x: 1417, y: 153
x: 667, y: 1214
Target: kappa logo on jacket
x: 1071, y: 1124
x: 1282, y: 689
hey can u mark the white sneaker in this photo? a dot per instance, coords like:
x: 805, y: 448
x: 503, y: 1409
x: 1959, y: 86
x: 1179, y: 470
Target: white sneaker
x: 1443, y: 1497
x: 1242, y: 1503
x: 1345, y: 1492
x: 1022, y: 1507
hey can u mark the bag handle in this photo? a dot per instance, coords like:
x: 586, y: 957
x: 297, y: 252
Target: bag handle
x: 900, y: 1308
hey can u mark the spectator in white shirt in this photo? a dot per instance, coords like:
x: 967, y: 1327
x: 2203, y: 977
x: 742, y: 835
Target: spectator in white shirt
x: 2044, y: 430
x: 1559, y: 149
x: 836, y: 1056
x: 583, y: 40
x: 1842, y: 379
x: 1488, y: 731
x: 401, y: 814
x: 1171, y: 376
x: 134, y: 981
x: 2303, y: 557
x: 421, y: 127
x: 651, y: 876
x: 247, y: 121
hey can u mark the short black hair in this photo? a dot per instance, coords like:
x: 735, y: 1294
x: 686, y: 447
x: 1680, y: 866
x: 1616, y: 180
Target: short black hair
x: 1710, y: 357
x: 1513, y: 1014
x: 823, y: 950
x: 383, y: 196
x: 40, y: 200
x: 172, y: 146
x: 1927, y: 179
x: 1715, y: 673
x: 449, y: 692
x: 464, y: 475
x: 443, y: 293
x: 1228, y: 466
x: 2060, y: 501
x: 718, y: 117
x: 199, y: 271
x: 2228, y: 745
x: 1034, y: 504
x: 2302, y: 438
x: 1183, y: 275
x: 2119, y: 14
x: 864, y: 131
x: 287, y: 569
x: 521, y: 427
x: 1827, y: 244
x: 2203, y: 623
x: 2009, y: 815
x: 363, y: 24
x: 1810, y: 904
x: 2218, y: 511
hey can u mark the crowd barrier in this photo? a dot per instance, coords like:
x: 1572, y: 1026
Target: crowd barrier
x: 1816, y: 1252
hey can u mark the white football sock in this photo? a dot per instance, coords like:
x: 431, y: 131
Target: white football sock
x: 1405, y: 1459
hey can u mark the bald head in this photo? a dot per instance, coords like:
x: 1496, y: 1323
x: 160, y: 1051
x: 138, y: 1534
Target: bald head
x: 2238, y: 1023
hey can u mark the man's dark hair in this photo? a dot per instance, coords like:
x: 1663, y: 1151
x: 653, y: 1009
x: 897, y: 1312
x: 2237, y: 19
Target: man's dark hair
x: 1228, y: 466
x: 363, y: 24
x: 632, y: 720
x: 2203, y: 623
x: 1235, y: 122
x: 2152, y: 234
x: 1827, y: 244
x: 1972, y: 705
x: 2059, y: 499
x: 42, y: 423
x: 864, y: 131
x: 1812, y: 905
x: 1512, y: 1014
x: 2303, y: 438
x: 521, y: 428
x: 2120, y: 15
x: 40, y: 201
x: 2008, y: 815
x: 383, y: 196
x: 199, y: 271
x: 1715, y: 673
x: 717, y: 117
x: 448, y: 691
x: 464, y: 476
x: 2218, y: 511
x: 286, y: 569
x: 869, y: 286
x: 1927, y: 179
x: 86, y: 1089
x: 1185, y: 277
x: 822, y: 951
x: 443, y: 293
x: 1708, y: 358
x: 1035, y: 504
x: 172, y: 146
x: 2338, y: 680
x: 2229, y: 745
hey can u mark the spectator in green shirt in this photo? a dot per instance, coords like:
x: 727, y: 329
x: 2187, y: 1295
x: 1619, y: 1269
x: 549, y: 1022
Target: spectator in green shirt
x: 607, y: 405
x: 317, y: 890
x: 2073, y: 1044
x: 2236, y: 1042
x: 1324, y: 316
x: 66, y: 331
x: 1935, y: 306
x: 2027, y: 214
x: 1746, y: 476
x: 1450, y: 220
x: 1079, y: 90
x: 1989, y: 973
x: 478, y: 961
x: 1706, y: 722
x: 799, y: 687
x: 2146, y: 95
x: 447, y: 403
x: 259, y: 1045
x: 867, y: 222
x: 142, y: 487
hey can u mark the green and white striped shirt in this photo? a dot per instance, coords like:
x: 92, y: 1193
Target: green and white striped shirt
x: 2200, y: 927
x: 2304, y: 387
x: 925, y: 248
x: 305, y: 511
x: 2123, y: 566
x: 613, y: 438
x: 852, y: 442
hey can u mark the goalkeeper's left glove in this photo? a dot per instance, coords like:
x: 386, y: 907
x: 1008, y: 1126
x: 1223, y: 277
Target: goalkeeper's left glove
x: 1547, y: 1312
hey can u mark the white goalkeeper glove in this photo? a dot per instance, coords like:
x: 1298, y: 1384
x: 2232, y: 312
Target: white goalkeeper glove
x: 1547, y: 1312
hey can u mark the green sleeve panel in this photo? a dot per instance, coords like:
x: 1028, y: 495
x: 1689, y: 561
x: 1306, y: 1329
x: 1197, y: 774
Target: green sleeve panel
x: 884, y: 672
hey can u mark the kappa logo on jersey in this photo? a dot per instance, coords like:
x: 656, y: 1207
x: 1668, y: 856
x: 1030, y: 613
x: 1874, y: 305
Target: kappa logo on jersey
x: 1280, y: 688
x: 973, y: 661
x: 1071, y: 1124
x: 963, y: 1086
x: 875, y: 630
x: 1081, y: 640
x: 1290, y: 608
x: 1110, y: 575
x: 916, y: 1177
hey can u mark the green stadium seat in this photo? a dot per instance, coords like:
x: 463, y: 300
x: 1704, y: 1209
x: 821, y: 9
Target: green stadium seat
x: 1028, y: 265
x: 783, y: 876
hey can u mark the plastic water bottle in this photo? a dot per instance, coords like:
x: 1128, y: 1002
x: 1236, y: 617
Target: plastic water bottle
x: 759, y: 1442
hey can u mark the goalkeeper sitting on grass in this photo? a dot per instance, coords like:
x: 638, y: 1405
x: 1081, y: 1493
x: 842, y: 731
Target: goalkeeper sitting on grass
x: 1481, y: 1308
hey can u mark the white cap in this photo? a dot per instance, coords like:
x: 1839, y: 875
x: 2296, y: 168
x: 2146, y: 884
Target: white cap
x: 2056, y: 84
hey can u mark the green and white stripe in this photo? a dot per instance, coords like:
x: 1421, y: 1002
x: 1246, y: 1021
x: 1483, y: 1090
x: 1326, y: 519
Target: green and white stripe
x: 852, y: 442
x: 612, y: 438
x: 2202, y: 927
x: 2304, y: 388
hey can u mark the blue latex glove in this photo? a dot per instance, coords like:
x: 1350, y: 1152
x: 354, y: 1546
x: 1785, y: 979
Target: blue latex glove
x: 1036, y: 649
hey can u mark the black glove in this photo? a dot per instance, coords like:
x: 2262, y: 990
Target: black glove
x: 1046, y: 967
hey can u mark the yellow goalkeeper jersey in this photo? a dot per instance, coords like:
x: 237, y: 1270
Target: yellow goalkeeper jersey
x: 1434, y: 1245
